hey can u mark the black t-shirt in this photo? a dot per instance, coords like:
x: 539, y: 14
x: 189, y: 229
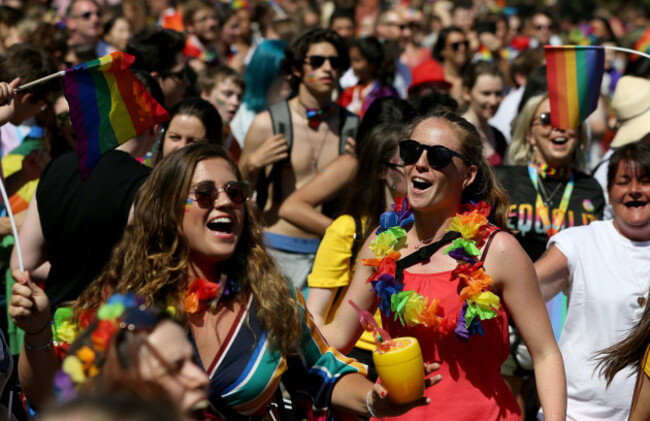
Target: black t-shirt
x: 82, y: 221
x: 586, y: 205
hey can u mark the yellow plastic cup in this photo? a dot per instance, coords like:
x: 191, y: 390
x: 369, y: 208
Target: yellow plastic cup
x: 401, y: 370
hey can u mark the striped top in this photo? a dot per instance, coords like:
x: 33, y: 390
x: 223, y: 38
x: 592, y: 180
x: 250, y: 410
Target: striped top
x: 246, y: 372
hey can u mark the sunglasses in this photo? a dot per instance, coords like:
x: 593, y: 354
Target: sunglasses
x: 544, y: 119
x: 456, y: 45
x: 88, y: 15
x: 438, y: 156
x: 317, y: 61
x: 540, y: 27
x: 206, y: 194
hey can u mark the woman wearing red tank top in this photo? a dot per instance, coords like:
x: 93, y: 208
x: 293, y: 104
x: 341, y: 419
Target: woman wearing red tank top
x: 455, y: 297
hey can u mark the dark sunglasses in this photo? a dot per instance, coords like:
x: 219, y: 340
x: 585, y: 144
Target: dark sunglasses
x: 456, y: 45
x: 544, y: 119
x: 438, y: 156
x: 317, y: 61
x: 205, y: 194
x: 88, y: 15
x: 540, y: 27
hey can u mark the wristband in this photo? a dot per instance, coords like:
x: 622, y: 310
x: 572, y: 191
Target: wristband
x: 48, y: 345
x: 368, y: 407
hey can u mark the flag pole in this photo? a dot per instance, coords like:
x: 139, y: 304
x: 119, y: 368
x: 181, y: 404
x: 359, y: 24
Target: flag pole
x: 626, y: 50
x: 41, y: 80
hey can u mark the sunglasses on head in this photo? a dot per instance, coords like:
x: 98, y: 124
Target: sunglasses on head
x: 205, y: 194
x: 317, y: 61
x: 456, y: 45
x: 438, y: 156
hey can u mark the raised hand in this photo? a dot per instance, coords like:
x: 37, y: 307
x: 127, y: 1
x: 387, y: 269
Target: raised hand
x: 29, y: 307
x: 7, y: 100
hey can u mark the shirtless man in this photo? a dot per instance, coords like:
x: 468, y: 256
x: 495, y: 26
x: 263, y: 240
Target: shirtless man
x: 313, y: 61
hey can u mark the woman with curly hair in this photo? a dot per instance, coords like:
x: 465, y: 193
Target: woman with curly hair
x: 443, y: 268
x: 194, y: 246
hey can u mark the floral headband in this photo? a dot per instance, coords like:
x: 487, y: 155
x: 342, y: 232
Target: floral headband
x: 120, y: 312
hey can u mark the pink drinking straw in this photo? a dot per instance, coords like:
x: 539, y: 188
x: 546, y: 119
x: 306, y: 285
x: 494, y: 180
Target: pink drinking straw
x: 382, y: 339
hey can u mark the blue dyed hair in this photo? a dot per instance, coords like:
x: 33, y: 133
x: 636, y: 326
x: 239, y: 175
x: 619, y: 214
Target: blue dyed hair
x: 261, y: 72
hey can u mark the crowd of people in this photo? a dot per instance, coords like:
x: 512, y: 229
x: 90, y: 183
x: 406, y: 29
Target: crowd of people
x: 401, y: 156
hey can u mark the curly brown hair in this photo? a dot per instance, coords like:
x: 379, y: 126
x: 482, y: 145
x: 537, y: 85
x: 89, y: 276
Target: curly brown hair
x: 153, y: 257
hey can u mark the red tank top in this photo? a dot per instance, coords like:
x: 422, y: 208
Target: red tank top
x: 472, y: 387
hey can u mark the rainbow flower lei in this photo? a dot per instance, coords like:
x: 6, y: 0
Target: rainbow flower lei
x: 413, y: 309
x: 85, y: 363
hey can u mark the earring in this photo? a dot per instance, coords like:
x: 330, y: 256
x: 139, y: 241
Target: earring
x: 393, y: 186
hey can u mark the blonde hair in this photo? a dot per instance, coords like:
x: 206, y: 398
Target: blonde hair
x: 152, y: 258
x: 521, y: 151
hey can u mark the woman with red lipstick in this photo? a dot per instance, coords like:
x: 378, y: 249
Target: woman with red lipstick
x: 452, y: 245
x: 548, y: 191
x: 195, y: 246
x: 483, y: 92
x: 603, y: 268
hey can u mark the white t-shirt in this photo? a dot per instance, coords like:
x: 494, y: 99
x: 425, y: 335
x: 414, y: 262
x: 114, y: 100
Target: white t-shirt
x: 601, y: 176
x: 609, y: 273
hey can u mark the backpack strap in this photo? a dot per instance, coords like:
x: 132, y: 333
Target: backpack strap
x: 281, y: 121
x: 349, y: 125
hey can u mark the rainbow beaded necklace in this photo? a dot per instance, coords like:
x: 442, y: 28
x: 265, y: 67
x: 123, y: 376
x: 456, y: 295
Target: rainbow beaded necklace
x: 411, y: 308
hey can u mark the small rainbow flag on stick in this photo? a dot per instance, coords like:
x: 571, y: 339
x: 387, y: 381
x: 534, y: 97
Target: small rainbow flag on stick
x: 574, y: 76
x: 108, y: 106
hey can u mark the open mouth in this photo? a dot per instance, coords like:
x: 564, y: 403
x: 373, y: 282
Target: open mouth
x: 222, y: 224
x: 560, y: 140
x: 198, y: 410
x: 635, y: 204
x: 420, y: 183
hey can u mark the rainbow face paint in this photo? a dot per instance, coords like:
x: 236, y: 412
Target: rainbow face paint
x: 311, y: 78
x: 188, y: 204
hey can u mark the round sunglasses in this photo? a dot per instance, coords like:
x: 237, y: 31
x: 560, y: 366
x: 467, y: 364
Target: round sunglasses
x: 206, y: 194
x: 544, y: 119
x: 438, y: 156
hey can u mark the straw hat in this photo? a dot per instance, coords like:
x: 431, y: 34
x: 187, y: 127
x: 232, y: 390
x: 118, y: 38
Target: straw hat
x: 631, y: 104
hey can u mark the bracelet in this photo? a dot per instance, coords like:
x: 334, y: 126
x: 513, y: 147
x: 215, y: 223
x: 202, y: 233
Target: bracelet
x: 48, y: 324
x: 48, y: 345
x: 368, y: 407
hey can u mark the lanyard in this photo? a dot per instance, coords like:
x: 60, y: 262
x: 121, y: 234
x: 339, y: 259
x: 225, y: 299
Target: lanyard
x: 542, y: 210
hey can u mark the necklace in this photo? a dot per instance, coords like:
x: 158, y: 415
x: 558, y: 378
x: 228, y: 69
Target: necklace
x: 316, y: 151
x: 542, y: 209
x: 468, y: 229
x: 548, y: 199
x: 427, y: 241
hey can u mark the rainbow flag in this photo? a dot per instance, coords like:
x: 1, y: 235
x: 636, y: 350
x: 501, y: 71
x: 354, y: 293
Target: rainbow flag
x: 574, y: 75
x: 642, y: 44
x: 108, y: 106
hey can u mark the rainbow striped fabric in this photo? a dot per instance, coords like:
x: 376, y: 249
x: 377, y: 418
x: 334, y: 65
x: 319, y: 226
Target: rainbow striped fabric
x: 108, y: 106
x: 574, y: 76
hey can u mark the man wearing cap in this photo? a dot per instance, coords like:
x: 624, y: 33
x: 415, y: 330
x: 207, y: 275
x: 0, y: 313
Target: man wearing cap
x: 631, y: 105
